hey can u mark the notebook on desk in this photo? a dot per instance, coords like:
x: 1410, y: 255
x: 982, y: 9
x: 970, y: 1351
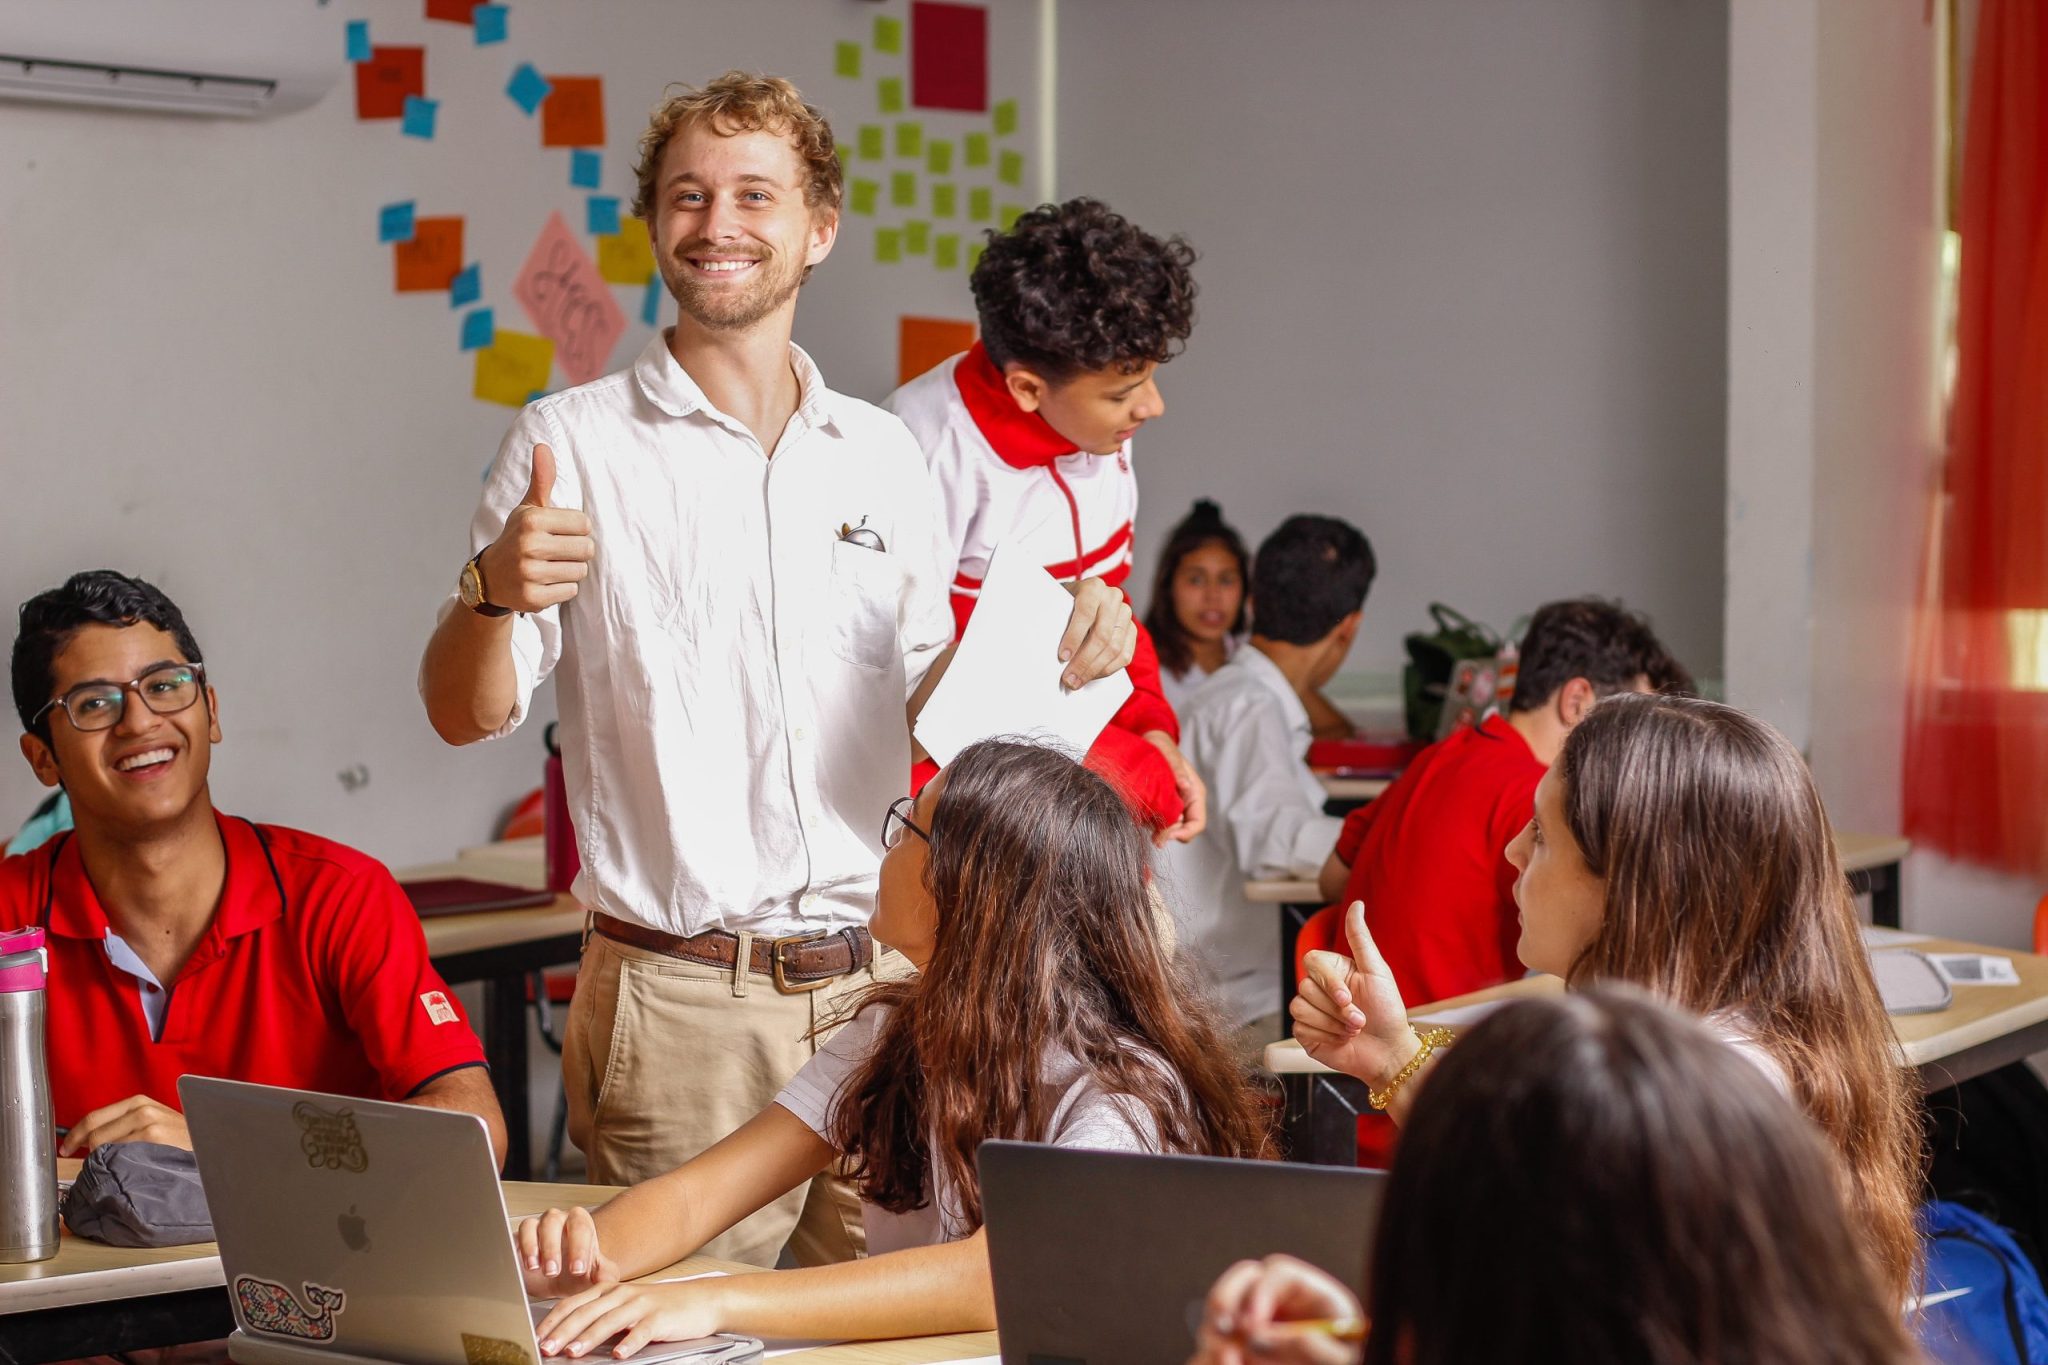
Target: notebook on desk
x: 435, y: 896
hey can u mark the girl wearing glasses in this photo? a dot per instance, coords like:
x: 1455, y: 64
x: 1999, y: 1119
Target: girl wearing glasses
x: 1045, y: 1007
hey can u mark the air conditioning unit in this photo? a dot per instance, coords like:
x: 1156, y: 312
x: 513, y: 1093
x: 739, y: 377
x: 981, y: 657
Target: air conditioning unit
x: 243, y: 58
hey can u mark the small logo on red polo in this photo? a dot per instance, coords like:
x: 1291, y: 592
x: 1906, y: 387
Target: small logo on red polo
x: 438, y: 1008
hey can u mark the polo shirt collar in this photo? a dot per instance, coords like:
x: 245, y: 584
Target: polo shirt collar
x: 1022, y: 440
x: 669, y: 387
x: 1496, y: 727
x: 1253, y: 660
x: 249, y: 898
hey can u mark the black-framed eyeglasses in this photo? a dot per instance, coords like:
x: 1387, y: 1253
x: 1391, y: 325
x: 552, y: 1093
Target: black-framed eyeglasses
x: 166, y: 689
x: 898, y: 819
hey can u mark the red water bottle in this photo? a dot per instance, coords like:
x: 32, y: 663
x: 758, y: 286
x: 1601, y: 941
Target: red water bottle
x: 558, y: 835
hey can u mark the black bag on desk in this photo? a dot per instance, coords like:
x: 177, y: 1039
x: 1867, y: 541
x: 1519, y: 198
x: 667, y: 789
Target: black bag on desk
x: 1432, y: 657
x: 139, y: 1194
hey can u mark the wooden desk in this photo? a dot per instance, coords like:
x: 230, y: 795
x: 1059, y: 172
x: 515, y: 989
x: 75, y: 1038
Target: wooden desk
x: 1354, y: 791
x: 1872, y: 862
x: 1985, y: 1028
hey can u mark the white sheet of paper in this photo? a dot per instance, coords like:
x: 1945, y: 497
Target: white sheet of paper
x: 1004, y: 680
x: 1875, y: 936
x: 1461, y: 1016
x: 1975, y: 969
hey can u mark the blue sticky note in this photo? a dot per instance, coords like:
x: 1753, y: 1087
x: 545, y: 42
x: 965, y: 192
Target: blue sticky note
x: 467, y: 286
x: 478, y: 331
x: 394, y: 222
x: 489, y: 21
x: 536, y: 395
x: 528, y: 88
x: 603, y: 215
x: 650, y: 306
x: 419, y: 117
x: 359, y: 40
x: 586, y: 169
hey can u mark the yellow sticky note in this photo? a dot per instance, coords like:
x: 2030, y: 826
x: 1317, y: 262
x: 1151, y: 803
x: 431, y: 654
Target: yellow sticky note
x: 863, y: 194
x: 945, y: 201
x: 1011, y: 213
x: 903, y: 189
x: 910, y: 139
x: 871, y: 145
x: 1006, y: 117
x: 889, y: 94
x: 976, y: 150
x: 846, y: 60
x: 938, y: 157
x: 888, y: 245
x: 626, y: 257
x: 981, y: 203
x: 917, y: 237
x: 888, y: 34
x: 513, y: 368
x: 946, y: 251
x: 1011, y: 171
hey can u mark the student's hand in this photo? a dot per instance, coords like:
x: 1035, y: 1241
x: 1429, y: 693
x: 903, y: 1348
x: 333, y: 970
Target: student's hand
x: 1349, y: 1014
x: 1194, y: 797
x: 543, y: 552
x: 1101, y: 634
x: 644, y: 1312
x: 559, y: 1255
x: 1247, y: 1317
x: 135, y: 1119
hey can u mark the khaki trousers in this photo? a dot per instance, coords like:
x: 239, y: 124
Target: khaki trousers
x: 662, y: 1058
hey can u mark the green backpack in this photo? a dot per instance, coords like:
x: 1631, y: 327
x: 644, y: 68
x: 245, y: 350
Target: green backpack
x: 1432, y: 656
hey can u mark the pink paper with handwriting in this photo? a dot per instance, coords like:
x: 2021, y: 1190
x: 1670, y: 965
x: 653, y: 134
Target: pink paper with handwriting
x: 569, y: 302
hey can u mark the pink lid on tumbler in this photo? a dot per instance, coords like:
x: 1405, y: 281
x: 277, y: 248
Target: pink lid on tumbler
x: 24, y: 966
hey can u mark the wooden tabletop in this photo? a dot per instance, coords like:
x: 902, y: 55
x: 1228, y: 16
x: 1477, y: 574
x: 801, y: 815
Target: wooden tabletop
x: 511, y: 864
x: 1353, y: 788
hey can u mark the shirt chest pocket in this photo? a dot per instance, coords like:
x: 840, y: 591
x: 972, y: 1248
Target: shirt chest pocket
x: 862, y: 603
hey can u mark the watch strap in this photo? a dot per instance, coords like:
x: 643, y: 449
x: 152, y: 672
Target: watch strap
x: 483, y: 605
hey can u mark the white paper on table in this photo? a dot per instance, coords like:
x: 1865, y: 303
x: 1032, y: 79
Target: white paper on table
x: 1460, y: 1016
x: 1876, y: 936
x: 1004, y: 679
x: 1975, y: 969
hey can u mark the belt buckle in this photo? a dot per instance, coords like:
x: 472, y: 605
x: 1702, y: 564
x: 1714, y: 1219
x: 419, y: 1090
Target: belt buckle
x: 782, y: 981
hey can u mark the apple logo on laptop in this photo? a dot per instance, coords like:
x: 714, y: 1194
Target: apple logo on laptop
x: 354, y: 1232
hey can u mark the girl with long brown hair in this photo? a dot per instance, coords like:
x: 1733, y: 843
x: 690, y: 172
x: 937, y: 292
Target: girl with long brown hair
x: 1044, y: 1007
x: 1681, y: 846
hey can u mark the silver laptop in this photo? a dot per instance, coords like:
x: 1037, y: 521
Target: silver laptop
x: 355, y: 1230
x: 1101, y: 1257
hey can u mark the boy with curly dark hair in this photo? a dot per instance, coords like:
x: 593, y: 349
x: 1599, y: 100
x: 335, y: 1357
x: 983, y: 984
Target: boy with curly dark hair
x: 1028, y: 436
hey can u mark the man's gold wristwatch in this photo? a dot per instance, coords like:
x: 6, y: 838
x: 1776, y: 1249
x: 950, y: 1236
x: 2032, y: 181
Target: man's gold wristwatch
x: 470, y: 588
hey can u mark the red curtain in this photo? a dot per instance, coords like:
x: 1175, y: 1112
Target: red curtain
x: 1976, y: 770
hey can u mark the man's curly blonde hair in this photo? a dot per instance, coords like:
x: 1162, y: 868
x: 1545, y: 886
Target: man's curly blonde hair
x: 743, y: 102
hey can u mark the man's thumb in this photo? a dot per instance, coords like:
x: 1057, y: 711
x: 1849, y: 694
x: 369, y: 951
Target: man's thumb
x: 1364, y: 952
x: 543, y: 481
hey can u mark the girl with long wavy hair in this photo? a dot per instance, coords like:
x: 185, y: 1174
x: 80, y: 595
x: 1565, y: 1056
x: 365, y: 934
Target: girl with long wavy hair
x: 1681, y: 846
x: 1045, y: 1007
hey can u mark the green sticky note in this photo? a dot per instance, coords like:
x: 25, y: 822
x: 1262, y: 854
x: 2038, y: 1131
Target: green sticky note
x: 981, y: 203
x: 903, y: 189
x: 917, y: 237
x: 889, y: 94
x: 1011, y: 213
x: 846, y: 60
x: 872, y: 146
x: 945, y: 201
x: 888, y: 34
x: 1011, y: 171
x: 910, y: 139
x: 938, y: 157
x: 888, y: 245
x: 977, y: 149
x: 863, y: 196
x: 1006, y: 117
x: 946, y: 251
x: 844, y: 153
x: 974, y: 250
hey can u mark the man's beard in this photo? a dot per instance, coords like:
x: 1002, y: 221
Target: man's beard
x: 721, y: 307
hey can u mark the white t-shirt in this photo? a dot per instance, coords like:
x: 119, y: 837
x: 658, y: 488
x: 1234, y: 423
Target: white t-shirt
x: 1086, y: 1116
x: 1179, y: 687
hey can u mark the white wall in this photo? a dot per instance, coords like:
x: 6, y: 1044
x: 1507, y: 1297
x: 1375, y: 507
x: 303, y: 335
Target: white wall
x: 209, y: 381
x: 1462, y: 282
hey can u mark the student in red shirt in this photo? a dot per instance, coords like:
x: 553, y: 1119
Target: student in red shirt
x: 1428, y: 856
x: 184, y: 940
x: 1028, y: 437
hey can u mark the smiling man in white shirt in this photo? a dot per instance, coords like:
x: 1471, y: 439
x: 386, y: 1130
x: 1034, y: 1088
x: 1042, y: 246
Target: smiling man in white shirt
x: 737, y: 571
x: 1248, y: 732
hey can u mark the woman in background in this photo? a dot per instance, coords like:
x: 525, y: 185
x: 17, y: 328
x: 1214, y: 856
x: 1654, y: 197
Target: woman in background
x: 1197, y: 614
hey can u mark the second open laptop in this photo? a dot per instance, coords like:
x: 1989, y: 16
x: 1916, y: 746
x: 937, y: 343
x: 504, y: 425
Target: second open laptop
x: 356, y: 1231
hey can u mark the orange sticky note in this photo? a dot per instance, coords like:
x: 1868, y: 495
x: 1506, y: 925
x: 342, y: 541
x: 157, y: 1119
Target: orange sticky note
x: 923, y: 342
x: 383, y: 82
x: 573, y: 113
x: 513, y: 368
x: 432, y: 259
x: 626, y: 257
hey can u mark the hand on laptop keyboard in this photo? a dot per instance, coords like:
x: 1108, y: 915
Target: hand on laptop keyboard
x: 559, y: 1255
x: 677, y: 1311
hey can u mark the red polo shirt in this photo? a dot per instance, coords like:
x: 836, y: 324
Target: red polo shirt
x: 325, y: 987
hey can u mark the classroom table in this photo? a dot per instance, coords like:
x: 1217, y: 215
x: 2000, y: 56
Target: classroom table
x: 1352, y: 791
x: 92, y: 1299
x: 1984, y: 1028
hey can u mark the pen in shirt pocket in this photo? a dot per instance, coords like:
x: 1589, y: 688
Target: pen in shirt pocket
x: 861, y: 534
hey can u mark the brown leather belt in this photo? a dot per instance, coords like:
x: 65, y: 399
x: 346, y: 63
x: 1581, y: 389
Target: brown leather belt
x: 798, y: 962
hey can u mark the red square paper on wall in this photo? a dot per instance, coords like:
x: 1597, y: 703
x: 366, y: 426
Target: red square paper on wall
x: 383, y: 82
x: 573, y: 113
x: 948, y: 56
x: 432, y: 259
x: 453, y: 11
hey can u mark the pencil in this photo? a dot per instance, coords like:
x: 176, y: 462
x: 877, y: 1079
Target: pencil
x: 1342, y: 1329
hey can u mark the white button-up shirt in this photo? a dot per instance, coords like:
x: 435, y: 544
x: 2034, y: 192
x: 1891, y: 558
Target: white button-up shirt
x: 733, y: 673
x: 1247, y: 733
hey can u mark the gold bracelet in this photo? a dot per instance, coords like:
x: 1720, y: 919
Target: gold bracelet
x: 1430, y: 1040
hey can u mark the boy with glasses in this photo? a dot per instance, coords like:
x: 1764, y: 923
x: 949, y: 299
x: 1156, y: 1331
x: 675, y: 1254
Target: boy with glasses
x: 184, y: 940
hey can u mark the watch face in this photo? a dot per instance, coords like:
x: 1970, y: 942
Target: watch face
x: 469, y: 587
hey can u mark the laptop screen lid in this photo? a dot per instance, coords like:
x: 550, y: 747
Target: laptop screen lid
x: 1102, y: 1257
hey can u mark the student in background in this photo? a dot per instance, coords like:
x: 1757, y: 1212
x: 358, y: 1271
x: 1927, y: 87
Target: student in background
x: 185, y: 940
x: 1028, y: 437
x: 1045, y: 1007
x: 1426, y: 856
x: 1593, y: 1179
x: 1197, y: 617
x: 1247, y: 730
x: 1680, y: 846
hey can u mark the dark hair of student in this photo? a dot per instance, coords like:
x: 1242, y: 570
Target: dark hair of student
x: 1203, y: 525
x: 1076, y: 286
x: 1046, y: 941
x: 95, y: 597
x: 1645, y: 1197
x: 1603, y: 642
x: 1311, y: 573
x: 1724, y: 895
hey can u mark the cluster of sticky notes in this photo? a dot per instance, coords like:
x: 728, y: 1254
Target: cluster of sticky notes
x: 513, y: 368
